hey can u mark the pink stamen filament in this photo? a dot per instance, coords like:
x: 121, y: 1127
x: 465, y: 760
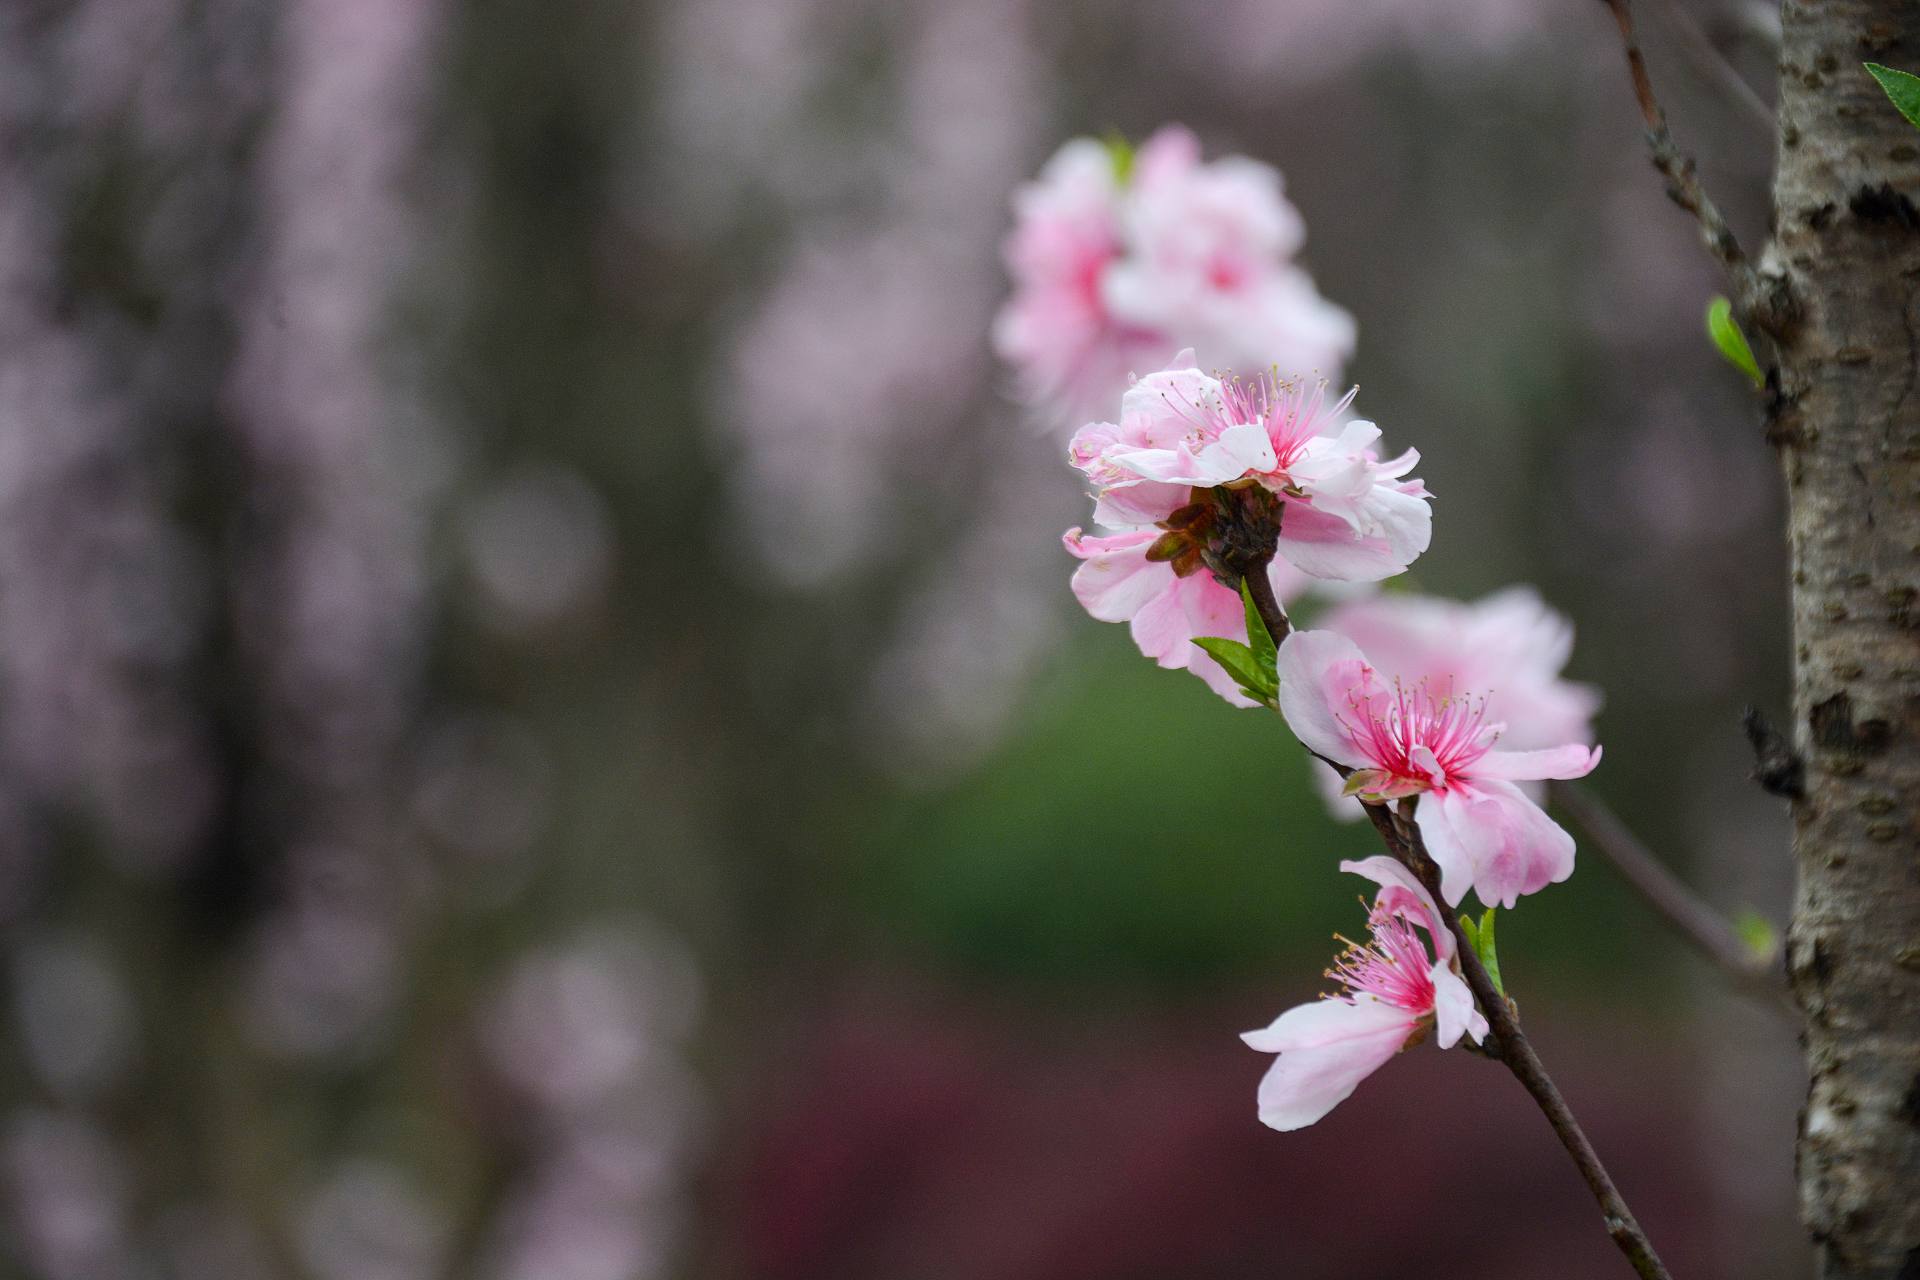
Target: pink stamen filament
x: 1452, y: 728
x: 1291, y: 411
x: 1393, y: 966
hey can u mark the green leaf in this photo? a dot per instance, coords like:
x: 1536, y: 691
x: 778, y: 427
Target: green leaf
x: 1258, y: 638
x: 1758, y: 933
x: 1240, y: 663
x: 1481, y: 937
x: 1726, y: 335
x: 1120, y: 153
x: 1902, y: 87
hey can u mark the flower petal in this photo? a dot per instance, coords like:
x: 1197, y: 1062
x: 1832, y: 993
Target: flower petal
x: 1401, y: 892
x: 1453, y: 1011
x: 1570, y: 761
x: 1491, y: 837
x: 1326, y: 1049
x: 1326, y: 546
x: 1321, y: 676
x: 1117, y: 581
x: 1138, y: 502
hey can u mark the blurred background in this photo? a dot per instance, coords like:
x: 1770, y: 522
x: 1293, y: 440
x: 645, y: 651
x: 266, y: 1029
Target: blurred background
x: 543, y: 735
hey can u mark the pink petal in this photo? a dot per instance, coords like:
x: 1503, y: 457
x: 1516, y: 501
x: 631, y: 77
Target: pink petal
x: 1571, y: 761
x: 1157, y: 411
x: 1388, y: 873
x: 1195, y: 606
x: 1454, y: 1014
x: 1320, y: 675
x: 1491, y: 837
x: 1142, y: 502
x: 1169, y: 153
x: 1325, y: 546
x: 1402, y: 892
x: 1326, y: 1049
x: 1117, y: 581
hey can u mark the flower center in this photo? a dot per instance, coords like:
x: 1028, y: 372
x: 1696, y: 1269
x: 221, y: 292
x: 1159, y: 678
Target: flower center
x: 1291, y: 411
x: 1418, y: 738
x: 1288, y: 411
x: 1392, y: 966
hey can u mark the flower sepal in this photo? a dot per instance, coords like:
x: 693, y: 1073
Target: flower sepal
x: 1378, y: 786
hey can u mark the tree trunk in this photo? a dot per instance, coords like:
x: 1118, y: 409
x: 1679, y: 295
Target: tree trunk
x: 1847, y: 237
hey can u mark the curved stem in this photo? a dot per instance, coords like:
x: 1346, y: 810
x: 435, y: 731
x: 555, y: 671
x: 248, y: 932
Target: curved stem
x: 1260, y: 587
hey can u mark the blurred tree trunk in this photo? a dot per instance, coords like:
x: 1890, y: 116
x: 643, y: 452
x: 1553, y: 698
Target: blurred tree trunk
x: 1848, y: 423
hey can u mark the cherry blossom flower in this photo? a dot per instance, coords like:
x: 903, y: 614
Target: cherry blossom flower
x: 1348, y: 516
x: 1395, y: 993
x: 1510, y: 646
x: 1435, y: 742
x: 1114, y: 271
x: 1321, y: 498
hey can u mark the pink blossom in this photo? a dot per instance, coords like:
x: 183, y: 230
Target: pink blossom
x: 1511, y: 645
x: 1434, y: 742
x: 1394, y: 993
x: 1341, y: 512
x: 1347, y: 515
x: 1167, y: 612
x: 1113, y: 273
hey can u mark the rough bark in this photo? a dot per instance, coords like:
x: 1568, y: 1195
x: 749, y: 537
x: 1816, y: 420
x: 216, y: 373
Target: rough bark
x: 1847, y: 421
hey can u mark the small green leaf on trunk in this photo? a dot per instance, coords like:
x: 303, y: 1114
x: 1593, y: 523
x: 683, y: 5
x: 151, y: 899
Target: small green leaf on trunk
x: 1902, y: 87
x: 1758, y: 933
x: 1726, y: 335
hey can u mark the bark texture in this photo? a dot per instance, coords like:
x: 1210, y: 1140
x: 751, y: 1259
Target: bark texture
x: 1847, y: 420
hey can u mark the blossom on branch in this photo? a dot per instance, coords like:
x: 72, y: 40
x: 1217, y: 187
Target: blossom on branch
x: 1435, y: 743
x: 1341, y: 512
x: 1121, y: 581
x: 1512, y: 644
x: 1120, y: 258
x: 1395, y: 993
x: 1206, y: 480
x: 1511, y: 647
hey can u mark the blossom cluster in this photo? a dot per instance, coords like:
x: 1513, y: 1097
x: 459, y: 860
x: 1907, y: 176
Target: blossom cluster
x: 1225, y: 496
x: 1338, y: 512
x: 1120, y: 258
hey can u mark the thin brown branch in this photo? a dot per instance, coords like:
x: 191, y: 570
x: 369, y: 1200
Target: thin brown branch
x: 1702, y: 926
x: 1260, y: 588
x: 1516, y: 1051
x: 1763, y: 303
